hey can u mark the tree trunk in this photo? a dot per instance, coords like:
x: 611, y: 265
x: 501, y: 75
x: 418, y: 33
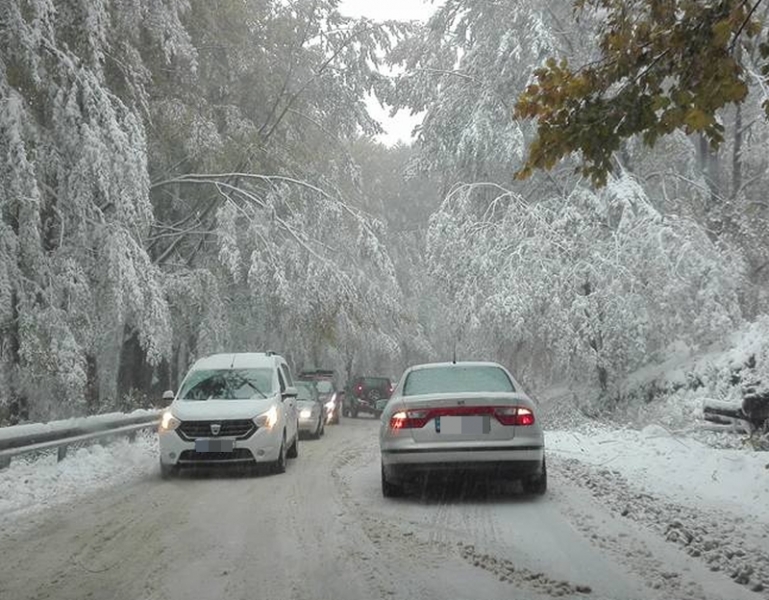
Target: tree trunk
x: 92, y: 403
x: 737, y: 153
x: 18, y: 408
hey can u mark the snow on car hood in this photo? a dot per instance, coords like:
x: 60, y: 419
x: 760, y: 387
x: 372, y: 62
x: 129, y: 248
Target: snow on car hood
x: 220, y: 409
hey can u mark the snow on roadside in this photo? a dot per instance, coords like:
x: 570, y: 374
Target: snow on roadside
x: 31, y: 485
x: 680, y: 469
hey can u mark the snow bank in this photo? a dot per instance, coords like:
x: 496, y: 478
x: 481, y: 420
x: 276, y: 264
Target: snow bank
x: 34, y: 484
x: 672, y: 391
x: 678, y: 468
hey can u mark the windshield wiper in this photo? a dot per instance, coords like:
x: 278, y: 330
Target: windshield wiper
x: 253, y: 386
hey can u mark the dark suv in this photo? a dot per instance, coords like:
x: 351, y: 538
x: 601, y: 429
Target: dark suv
x: 363, y: 394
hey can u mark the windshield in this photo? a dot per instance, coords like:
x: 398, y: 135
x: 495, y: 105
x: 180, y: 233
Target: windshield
x: 457, y: 380
x: 227, y: 384
x: 304, y: 391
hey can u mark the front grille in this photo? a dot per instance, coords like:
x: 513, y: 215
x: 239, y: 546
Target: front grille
x: 240, y: 429
x: 239, y: 454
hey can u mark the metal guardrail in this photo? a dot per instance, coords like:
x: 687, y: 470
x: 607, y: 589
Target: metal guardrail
x: 61, y: 438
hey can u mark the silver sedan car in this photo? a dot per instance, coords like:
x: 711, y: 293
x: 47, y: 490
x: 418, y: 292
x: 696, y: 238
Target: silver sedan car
x: 455, y: 418
x: 312, y: 412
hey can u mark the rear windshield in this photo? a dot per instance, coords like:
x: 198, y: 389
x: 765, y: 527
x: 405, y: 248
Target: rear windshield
x: 227, y: 384
x: 457, y: 379
x: 374, y: 382
x: 324, y: 387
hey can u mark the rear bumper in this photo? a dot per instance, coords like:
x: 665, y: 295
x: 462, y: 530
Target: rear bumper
x: 498, y: 469
x: 514, y: 462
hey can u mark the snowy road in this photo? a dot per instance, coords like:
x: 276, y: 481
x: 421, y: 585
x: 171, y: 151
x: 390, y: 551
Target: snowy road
x: 323, y: 531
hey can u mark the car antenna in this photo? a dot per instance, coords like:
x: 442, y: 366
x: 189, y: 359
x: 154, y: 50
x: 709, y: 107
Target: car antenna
x: 454, y: 357
x: 232, y: 364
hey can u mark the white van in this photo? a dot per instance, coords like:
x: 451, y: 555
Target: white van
x: 232, y: 409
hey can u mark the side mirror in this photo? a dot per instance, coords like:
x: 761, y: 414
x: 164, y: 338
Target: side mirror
x: 290, y: 392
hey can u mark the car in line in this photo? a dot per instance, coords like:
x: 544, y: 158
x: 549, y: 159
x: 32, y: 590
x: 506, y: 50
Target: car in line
x: 231, y: 409
x: 454, y: 419
x: 329, y: 394
x: 364, y: 393
x: 312, y: 412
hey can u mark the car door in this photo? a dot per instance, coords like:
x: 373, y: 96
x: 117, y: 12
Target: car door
x: 289, y: 403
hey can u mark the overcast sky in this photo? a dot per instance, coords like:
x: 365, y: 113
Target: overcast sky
x: 398, y: 128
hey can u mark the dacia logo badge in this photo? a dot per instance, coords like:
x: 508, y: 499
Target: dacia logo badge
x: 215, y: 428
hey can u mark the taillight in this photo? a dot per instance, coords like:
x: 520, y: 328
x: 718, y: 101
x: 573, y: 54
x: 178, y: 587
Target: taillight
x: 359, y: 388
x: 514, y: 415
x: 409, y: 419
x: 519, y: 416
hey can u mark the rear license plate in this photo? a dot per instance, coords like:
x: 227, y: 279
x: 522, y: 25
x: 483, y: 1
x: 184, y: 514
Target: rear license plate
x: 470, y: 425
x: 214, y: 445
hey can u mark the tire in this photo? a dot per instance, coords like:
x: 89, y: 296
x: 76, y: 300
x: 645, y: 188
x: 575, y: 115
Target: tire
x: 279, y: 466
x: 293, y: 450
x: 168, y: 471
x: 322, y: 428
x: 317, y: 433
x: 354, y: 414
x: 536, y: 486
x: 390, y: 489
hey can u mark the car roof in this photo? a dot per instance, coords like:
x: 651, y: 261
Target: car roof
x: 466, y: 363
x: 237, y: 360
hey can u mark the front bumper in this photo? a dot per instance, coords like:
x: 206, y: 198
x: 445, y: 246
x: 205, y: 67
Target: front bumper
x: 309, y: 424
x: 263, y: 446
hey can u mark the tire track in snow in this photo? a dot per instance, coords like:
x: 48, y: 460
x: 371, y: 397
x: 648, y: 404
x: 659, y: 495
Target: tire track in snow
x: 724, y: 543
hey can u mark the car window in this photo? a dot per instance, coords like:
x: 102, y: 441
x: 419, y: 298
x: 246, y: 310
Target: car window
x: 287, y: 375
x: 325, y: 387
x: 227, y: 384
x: 282, y: 381
x: 457, y: 379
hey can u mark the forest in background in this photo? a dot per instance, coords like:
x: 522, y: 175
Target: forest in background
x: 181, y: 177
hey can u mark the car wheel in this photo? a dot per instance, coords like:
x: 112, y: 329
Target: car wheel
x: 293, y: 450
x: 354, y: 414
x: 316, y: 434
x: 536, y: 485
x: 279, y: 466
x: 322, y: 427
x: 390, y: 489
x: 167, y: 471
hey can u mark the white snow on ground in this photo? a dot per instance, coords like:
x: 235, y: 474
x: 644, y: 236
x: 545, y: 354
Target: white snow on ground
x: 675, y: 467
x: 30, y: 485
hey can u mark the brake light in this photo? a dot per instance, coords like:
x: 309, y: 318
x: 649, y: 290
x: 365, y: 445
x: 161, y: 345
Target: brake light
x: 514, y: 415
x: 358, y: 388
x: 409, y: 419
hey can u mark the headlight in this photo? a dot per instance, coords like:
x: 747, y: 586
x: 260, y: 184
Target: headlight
x: 267, y: 419
x: 306, y: 413
x: 168, y: 422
